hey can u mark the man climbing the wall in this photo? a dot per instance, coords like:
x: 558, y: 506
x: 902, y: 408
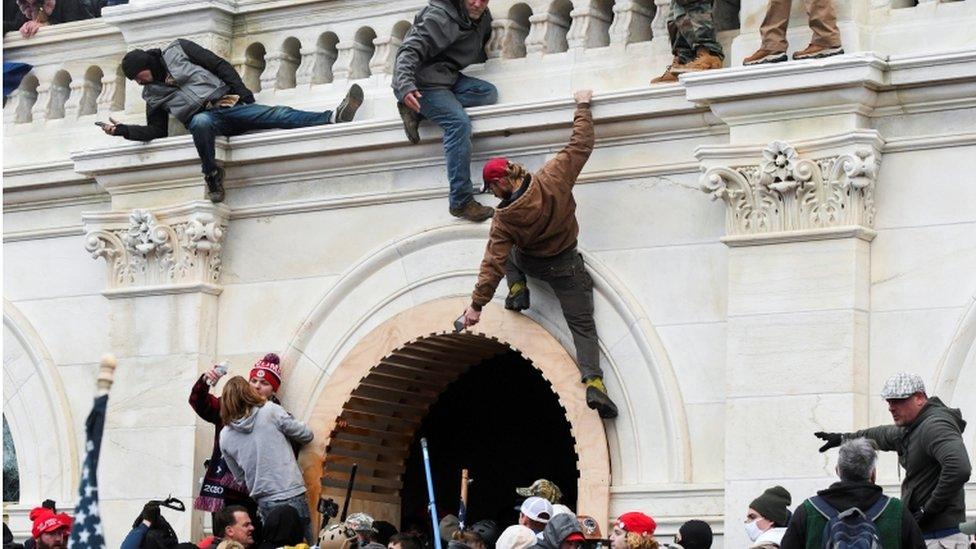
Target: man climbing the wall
x: 534, y: 233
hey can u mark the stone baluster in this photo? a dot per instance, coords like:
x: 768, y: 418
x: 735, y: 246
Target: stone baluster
x: 272, y: 64
x: 76, y: 90
x: 39, y: 111
x: 508, y: 39
x: 384, y: 54
x: 659, y: 25
x: 306, y: 68
x: 547, y: 33
x: 589, y: 28
x: 288, y: 70
x: 112, y: 97
x: 631, y: 23
x: 21, y: 103
x: 343, y: 63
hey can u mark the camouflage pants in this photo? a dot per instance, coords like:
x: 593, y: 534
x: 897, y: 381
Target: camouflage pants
x: 690, y: 27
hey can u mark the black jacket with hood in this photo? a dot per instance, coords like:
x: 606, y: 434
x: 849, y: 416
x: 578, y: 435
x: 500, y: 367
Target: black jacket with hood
x: 442, y: 41
x: 557, y: 529
x: 935, y: 460
x: 157, y: 120
x: 845, y: 495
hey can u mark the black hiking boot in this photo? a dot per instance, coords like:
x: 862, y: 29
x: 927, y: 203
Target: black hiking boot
x: 346, y: 110
x: 518, y: 297
x: 215, y: 185
x: 598, y: 399
x: 411, y: 123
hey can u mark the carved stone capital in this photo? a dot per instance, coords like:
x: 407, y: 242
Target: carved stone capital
x: 173, y: 250
x: 789, y: 196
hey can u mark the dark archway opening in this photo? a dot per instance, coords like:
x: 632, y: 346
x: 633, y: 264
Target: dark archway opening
x: 502, y: 421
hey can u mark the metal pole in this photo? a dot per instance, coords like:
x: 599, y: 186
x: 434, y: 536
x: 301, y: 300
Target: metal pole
x: 430, y: 495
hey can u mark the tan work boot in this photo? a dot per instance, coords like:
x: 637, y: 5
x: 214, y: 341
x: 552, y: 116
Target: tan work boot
x: 817, y: 52
x: 668, y: 76
x: 763, y: 56
x: 473, y: 211
x: 705, y: 60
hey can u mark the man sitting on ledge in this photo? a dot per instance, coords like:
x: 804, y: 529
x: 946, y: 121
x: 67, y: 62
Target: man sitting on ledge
x: 205, y: 93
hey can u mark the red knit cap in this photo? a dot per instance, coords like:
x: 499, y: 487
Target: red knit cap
x: 495, y: 169
x: 268, y: 369
x: 635, y: 522
x: 46, y: 521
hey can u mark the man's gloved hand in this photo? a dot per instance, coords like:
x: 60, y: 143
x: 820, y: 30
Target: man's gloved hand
x: 150, y: 513
x: 919, y: 515
x: 833, y: 440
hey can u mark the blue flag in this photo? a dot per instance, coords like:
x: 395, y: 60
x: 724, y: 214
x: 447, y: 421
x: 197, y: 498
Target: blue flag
x: 86, y: 532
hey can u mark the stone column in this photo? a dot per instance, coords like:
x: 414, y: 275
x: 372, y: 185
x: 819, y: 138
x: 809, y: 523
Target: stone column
x: 163, y: 269
x: 798, y: 181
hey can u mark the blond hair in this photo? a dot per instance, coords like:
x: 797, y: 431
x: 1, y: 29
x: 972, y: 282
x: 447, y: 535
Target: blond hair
x: 641, y: 541
x: 238, y: 399
x: 230, y: 544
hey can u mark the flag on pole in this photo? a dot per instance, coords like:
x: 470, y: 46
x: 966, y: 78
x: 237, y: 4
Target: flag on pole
x: 86, y: 532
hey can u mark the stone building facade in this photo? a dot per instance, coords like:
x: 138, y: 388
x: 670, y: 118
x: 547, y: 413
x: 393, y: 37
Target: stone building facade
x: 768, y: 244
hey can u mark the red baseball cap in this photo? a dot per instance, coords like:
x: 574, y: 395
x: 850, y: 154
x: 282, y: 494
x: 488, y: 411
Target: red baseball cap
x: 635, y: 522
x: 49, y: 522
x: 494, y: 169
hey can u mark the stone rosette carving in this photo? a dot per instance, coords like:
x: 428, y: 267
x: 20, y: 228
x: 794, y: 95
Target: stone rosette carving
x: 146, y: 252
x: 785, y: 192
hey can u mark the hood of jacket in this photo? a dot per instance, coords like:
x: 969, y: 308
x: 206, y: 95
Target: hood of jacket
x: 846, y: 494
x: 525, y: 209
x: 557, y: 529
x: 456, y: 11
x: 935, y: 408
x: 246, y: 423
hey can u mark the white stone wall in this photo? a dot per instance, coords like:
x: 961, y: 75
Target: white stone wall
x: 726, y: 345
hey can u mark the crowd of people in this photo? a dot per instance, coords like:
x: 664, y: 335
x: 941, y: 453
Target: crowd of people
x: 254, y: 489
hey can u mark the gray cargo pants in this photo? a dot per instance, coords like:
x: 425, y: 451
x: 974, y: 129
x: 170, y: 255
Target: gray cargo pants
x: 567, y: 276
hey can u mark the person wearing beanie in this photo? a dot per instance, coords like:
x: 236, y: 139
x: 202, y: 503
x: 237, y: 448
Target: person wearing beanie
x: 694, y: 534
x: 50, y: 530
x: 219, y: 486
x: 767, y: 517
x: 534, y: 233
x: 633, y: 530
x: 256, y: 445
x: 205, y: 93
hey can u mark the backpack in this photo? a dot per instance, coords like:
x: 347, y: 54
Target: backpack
x: 850, y: 529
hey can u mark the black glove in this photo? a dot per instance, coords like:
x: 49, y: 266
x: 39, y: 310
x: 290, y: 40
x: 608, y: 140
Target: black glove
x: 919, y: 515
x: 150, y: 513
x: 833, y: 440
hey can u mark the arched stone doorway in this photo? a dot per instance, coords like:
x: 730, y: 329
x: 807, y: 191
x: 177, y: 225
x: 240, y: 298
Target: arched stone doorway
x: 382, y: 389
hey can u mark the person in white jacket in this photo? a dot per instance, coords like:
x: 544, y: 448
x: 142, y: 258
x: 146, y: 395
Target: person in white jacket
x: 767, y: 518
x: 255, y: 444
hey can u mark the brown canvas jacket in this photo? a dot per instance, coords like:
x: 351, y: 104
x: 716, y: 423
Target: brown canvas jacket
x: 541, y: 222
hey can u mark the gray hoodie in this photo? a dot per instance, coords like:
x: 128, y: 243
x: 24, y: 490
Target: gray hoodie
x: 257, y: 451
x: 441, y: 42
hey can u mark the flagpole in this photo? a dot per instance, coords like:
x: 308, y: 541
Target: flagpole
x: 106, y: 374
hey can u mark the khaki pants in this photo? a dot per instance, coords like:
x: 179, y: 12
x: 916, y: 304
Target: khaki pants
x: 955, y: 541
x: 823, y: 23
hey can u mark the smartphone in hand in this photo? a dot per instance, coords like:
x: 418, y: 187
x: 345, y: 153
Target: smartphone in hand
x: 102, y: 124
x: 459, y: 324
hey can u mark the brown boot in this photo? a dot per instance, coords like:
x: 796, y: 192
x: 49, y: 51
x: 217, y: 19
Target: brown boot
x: 668, y: 76
x: 473, y: 211
x: 763, y: 55
x: 705, y: 60
x: 817, y: 52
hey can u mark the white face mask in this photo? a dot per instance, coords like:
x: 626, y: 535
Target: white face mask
x: 752, y: 530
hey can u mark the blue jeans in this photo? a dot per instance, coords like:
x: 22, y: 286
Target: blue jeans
x: 445, y: 107
x: 299, y: 503
x: 207, y: 125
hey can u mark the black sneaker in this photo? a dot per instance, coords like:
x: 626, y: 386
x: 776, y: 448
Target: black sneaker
x: 600, y: 401
x: 411, y: 123
x: 215, y: 185
x: 346, y: 110
x: 518, y: 297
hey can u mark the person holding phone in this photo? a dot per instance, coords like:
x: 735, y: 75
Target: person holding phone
x: 204, y: 92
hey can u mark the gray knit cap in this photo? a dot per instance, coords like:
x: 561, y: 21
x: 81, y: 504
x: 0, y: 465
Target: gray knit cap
x: 772, y: 504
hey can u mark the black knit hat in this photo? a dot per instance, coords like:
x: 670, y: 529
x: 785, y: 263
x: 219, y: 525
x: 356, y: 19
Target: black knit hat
x: 134, y: 62
x: 772, y: 505
x: 695, y: 534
